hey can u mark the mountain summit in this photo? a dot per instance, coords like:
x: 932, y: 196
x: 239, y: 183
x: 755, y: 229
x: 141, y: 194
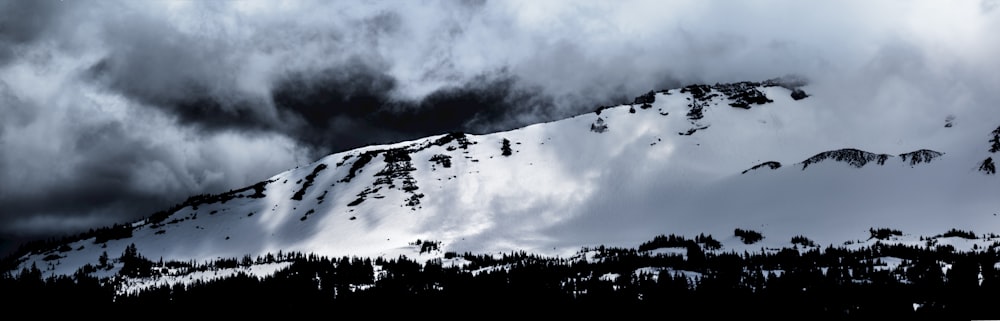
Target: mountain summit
x: 673, y: 161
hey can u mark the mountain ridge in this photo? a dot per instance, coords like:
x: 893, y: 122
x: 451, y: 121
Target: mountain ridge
x: 558, y: 185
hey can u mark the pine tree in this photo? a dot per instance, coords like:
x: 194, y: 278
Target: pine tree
x: 103, y: 260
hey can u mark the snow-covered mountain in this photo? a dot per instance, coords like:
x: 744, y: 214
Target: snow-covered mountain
x: 699, y: 159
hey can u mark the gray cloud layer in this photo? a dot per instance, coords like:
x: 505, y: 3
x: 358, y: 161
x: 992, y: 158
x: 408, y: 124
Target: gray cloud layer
x: 112, y: 110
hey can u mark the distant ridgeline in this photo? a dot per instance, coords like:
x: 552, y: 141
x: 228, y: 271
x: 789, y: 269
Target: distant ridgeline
x: 881, y: 277
x: 859, y: 158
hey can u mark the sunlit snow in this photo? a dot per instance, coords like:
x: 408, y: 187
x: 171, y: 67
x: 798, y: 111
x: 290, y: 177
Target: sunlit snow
x: 565, y: 187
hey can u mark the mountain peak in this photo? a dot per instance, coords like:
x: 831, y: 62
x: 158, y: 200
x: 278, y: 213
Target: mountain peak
x: 617, y: 178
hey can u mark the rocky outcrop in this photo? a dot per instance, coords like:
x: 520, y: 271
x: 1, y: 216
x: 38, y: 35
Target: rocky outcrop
x: 771, y: 164
x: 790, y: 82
x: 854, y: 157
x: 308, y: 182
x: 599, y: 126
x: 441, y: 159
x: 399, y: 164
x: 920, y: 156
x: 743, y: 94
x: 646, y: 101
x: 799, y: 94
x: 859, y: 158
x: 740, y: 95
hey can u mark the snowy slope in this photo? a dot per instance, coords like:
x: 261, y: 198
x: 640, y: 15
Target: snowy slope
x: 615, y: 177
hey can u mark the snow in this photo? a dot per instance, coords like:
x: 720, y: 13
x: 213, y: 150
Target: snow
x: 566, y: 187
x: 490, y: 269
x: 777, y: 273
x: 962, y: 244
x: 610, y: 277
x: 889, y: 263
x: 691, y: 276
x: 652, y: 271
x: 378, y: 272
x: 458, y: 262
x: 670, y: 251
x: 134, y: 285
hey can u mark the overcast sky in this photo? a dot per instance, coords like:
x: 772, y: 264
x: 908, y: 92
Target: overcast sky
x: 112, y: 110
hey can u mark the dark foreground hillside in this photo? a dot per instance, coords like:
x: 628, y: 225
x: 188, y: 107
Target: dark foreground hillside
x: 929, y: 282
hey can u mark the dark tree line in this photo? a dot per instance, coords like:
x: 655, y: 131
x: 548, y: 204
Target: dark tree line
x: 835, y: 282
x: 748, y: 236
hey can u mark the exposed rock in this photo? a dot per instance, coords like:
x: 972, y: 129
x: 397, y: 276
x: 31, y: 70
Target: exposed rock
x: 851, y: 156
x: 743, y: 94
x: 646, y: 99
x: 697, y: 111
x: 799, y: 94
x: 700, y: 94
x: 460, y: 138
x: 920, y: 156
x: 344, y: 160
x: 397, y: 166
x: 771, y: 164
x: 599, y: 126
x: 692, y: 131
x: 788, y: 81
x: 414, y: 200
x: 308, y: 182
x: 358, y: 164
x: 442, y: 159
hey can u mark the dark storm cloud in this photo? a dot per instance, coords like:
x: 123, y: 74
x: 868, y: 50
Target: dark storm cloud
x: 15, y: 111
x: 152, y: 62
x: 361, y: 97
x: 108, y: 159
x: 23, y: 22
x: 91, y: 171
x: 349, y: 99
